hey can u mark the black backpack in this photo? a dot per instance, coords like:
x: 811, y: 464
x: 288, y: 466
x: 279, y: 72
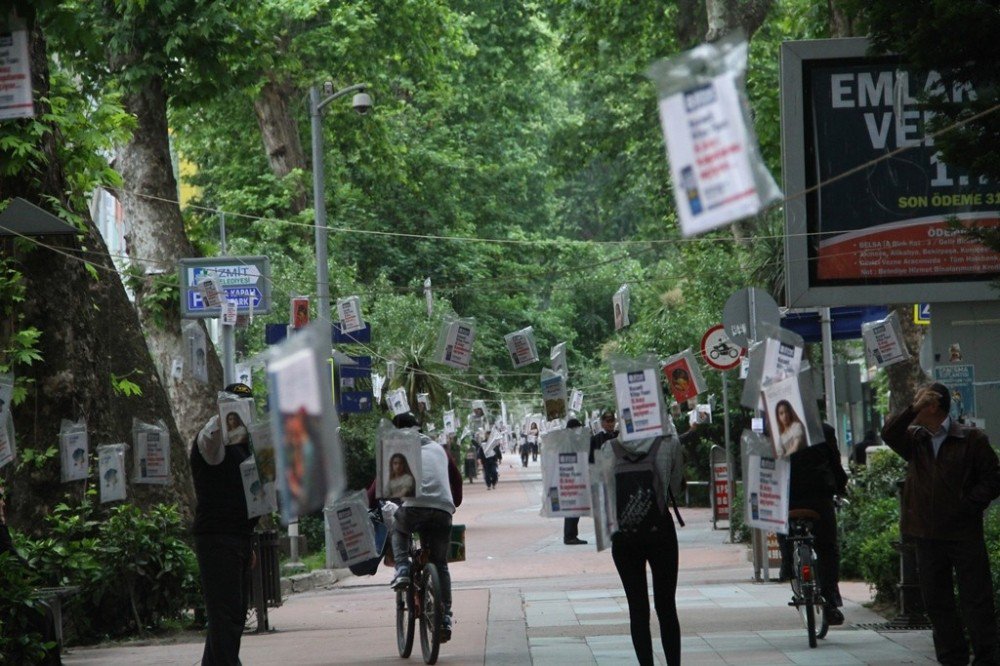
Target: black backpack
x: 639, y: 493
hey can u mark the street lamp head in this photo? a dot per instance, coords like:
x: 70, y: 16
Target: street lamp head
x: 362, y: 103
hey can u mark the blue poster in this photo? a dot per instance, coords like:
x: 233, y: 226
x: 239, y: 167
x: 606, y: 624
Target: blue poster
x: 959, y: 378
x: 354, y: 389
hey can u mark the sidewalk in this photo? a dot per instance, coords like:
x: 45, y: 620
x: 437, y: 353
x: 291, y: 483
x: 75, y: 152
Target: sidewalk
x: 523, y: 597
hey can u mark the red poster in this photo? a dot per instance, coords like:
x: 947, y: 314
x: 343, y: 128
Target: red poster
x: 681, y: 380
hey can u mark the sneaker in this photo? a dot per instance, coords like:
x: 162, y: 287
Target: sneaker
x: 446, y: 628
x: 401, y: 580
x: 574, y: 542
x: 834, y: 617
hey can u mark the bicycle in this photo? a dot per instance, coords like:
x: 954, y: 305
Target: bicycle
x: 421, y: 599
x: 806, y: 595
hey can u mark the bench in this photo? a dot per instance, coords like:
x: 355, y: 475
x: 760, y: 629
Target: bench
x: 54, y: 597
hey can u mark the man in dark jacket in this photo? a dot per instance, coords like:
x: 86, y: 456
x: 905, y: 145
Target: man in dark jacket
x: 952, y: 476
x: 816, y: 476
x: 222, y: 536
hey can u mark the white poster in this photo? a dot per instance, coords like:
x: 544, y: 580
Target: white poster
x: 351, y: 531
x: 151, y: 452
x: 715, y: 168
x: 566, y: 473
x: 244, y: 374
x: 235, y: 417
x: 557, y: 357
x: 605, y: 523
x: 74, y: 451
x: 449, y: 422
x: 111, y: 471
x: 553, y: 395
x: 229, y: 312
x: 398, y: 402
x: 884, y: 341
x: 639, y: 399
x: 576, y: 400
x: 210, y: 292
x: 767, y: 493
x: 785, y: 415
x: 8, y: 448
x: 349, y: 313
x: 429, y: 297
x: 700, y: 415
x: 781, y: 360
x: 455, y: 343
x: 521, y: 345
x: 15, y: 71
x: 378, y: 381
x: 423, y: 402
x: 620, y: 302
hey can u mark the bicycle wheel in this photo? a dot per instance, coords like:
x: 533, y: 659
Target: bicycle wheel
x: 822, y: 623
x: 809, y: 608
x: 431, y: 612
x: 405, y: 620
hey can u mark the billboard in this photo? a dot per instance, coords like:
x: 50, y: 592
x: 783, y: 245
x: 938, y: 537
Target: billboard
x: 869, y: 199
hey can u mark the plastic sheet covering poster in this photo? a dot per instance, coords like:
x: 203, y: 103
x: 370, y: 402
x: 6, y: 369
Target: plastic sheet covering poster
x: 423, y: 402
x: 299, y: 314
x: 553, y: 395
x: 15, y: 69
x: 354, y: 386
x: 639, y: 397
x: 557, y: 357
x: 196, y: 350
x: 716, y: 170
x: 304, y: 424
x: 235, y: 417
x: 767, y: 493
x: 700, y: 415
x: 454, y: 346
x: 620, y: 303
x: 349, y: 313
x: 398, y: 461
x: 111, y: 470
x: 378, y: 381
x: 7, y: 445
x: 566, y: 473
x: 244, y: 374
x: 398, y: 402
x: 576, y: 400
x: 211, y: 294
x: 521, y: 345
x: 259, y: 495
x: 785, y: 414
x: 74, y: 450
x: 351, y: 530
x: 960, y: 379
x: 884, y: 341
x: 450, y: 424
x: 683, y: 376
x: 151, y: 452
x: 493, y: 442
x: 781, y: 360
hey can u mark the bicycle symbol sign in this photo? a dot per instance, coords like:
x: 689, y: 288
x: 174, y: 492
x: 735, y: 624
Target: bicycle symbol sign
x: 718, y: 351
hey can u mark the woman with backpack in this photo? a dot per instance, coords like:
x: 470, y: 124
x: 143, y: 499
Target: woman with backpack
x: 647, y: 475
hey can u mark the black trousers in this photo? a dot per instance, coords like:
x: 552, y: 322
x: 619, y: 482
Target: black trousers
x: 224, y: 561
x: 631, y: 553
x: 936, y: 561
x: 434, y: 526
x: 827, y: 550
x: 571, y: 528
x: 490, y: 471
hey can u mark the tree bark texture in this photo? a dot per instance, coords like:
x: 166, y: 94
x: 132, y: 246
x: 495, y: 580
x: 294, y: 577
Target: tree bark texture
x: 724, y: 16
x: 89, y: 331
x: 156, y: 240
x: 280, y: 134
x: 906, y: 377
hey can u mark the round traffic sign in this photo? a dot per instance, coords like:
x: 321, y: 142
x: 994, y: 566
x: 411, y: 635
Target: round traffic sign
x: 745, y: 311
x: 718, y: 351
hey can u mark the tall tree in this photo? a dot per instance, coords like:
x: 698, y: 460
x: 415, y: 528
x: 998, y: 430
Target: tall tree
x: 66, y: 294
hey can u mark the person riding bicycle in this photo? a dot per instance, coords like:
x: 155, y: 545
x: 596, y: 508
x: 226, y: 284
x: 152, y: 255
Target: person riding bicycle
x: 429, y: 514
x: 816, y: 476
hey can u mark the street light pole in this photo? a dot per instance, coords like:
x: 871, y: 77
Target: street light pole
x: 316, y: 106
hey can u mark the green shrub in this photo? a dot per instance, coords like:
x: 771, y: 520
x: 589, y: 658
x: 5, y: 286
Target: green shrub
x: 133, y: 568
x: 741, y: 531
x: 20, y: 640
x: 312, y: 528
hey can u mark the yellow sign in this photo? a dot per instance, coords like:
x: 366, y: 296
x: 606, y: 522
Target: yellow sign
x: 922, y: 314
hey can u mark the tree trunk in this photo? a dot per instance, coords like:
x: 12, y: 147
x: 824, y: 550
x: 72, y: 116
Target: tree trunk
x: 690, y: 25
x: 841, y: 22
x: 906, y: 377
x: 724, y: 16
x: 89, y: 332
x: 156, y: 240
x: 280, y: 133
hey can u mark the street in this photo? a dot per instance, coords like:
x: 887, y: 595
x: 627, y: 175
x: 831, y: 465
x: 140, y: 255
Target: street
x: 524, y: 597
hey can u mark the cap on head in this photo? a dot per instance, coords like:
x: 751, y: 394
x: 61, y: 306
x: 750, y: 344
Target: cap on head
x: 239, y: 389
x: 574, y: 423
x: 944, y: 396
x: 405, y: 420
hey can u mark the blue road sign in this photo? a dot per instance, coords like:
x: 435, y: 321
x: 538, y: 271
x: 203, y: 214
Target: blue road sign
x: 245, y: 280
x: 922, y: 313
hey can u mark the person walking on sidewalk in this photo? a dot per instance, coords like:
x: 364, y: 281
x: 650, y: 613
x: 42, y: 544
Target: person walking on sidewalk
x: 646, y: 472
x: 222, y: 536
x: 952, y: 475
x: 571, y: 526
x: 491, y: 461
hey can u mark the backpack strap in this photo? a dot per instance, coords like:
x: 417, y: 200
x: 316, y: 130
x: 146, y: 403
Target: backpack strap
x: 673, y: 501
